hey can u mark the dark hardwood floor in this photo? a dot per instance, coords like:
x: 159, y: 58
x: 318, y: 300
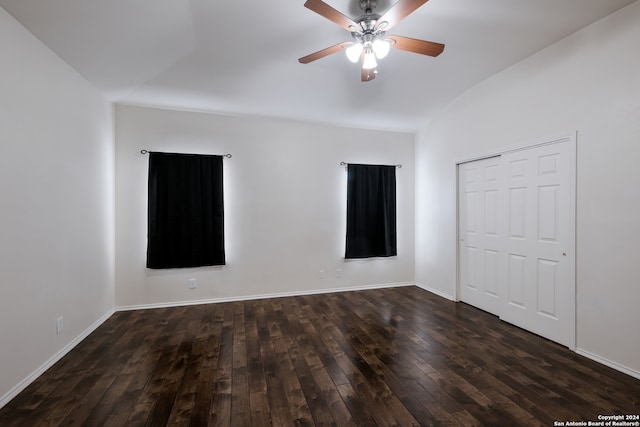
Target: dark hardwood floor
x: 398, y: 356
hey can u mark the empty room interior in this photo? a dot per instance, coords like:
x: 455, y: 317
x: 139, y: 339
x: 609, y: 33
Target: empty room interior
x: 496, y: 139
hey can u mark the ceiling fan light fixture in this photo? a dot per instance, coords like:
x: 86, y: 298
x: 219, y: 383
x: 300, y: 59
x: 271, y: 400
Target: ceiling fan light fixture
x: 369, y: 43
x: 369, y: 60
x: 354, y: 51
x: 381, y: 48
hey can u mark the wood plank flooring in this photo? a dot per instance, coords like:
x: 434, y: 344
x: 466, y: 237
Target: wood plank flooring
x: 387, y: 357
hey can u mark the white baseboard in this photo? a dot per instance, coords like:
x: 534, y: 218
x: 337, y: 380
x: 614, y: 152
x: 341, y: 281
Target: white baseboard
x: 435, y: 291
x: 261, y: 296
x: 609, y: 363
x: 49, y: 363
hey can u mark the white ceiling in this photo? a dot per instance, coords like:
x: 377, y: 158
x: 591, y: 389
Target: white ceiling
x: 240, y: 56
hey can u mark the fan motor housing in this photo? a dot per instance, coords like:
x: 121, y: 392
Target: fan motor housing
x: 367, y: 6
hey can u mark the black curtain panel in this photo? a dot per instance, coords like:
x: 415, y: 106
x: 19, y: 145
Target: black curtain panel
x: 185, y: 211
x: 371, y: 211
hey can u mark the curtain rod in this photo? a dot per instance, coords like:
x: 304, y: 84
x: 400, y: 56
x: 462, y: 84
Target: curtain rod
x: 345, y: 164
x: 228, y: 156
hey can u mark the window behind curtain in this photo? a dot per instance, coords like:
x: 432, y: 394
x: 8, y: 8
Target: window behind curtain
x: 371, y: 211
x: 185, y: 211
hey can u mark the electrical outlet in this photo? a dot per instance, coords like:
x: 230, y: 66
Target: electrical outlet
x: 338, y: 272
x: 59, y: 324
x: 322, y: 274
x: 192, y: 284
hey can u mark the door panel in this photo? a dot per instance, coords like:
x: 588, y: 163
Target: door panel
x: 517, y: 212
x: 491, y: 208
x: 491, y: 272
x: 547, y: 287
x: 548, y: 213
x: 516, y: 281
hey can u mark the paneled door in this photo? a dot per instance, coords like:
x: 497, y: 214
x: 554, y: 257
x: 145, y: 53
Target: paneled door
x: 538, y: 285
x: 516, y: 229
x: 479, y: 229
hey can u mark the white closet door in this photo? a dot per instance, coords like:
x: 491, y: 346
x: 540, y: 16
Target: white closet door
x: 538, y: 287
x: 516, y: 248
x: 480, y: 239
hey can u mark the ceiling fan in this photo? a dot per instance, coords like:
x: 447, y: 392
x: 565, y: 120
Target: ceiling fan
x: 369, y: 34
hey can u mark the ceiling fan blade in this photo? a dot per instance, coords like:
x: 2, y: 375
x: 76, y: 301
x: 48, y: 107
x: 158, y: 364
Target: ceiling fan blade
x: 368, y: 75
x: 399, y: 11
x: 321, y: 8
x: 321, y: 53
x: 416, y: 46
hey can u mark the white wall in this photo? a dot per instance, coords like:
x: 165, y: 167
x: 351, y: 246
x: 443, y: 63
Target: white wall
x: 589, y: 82
x: 56, y: 216
x: 284, y: 205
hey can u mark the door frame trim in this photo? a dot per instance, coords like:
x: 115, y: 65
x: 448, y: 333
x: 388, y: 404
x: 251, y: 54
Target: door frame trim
x: 571, y: 138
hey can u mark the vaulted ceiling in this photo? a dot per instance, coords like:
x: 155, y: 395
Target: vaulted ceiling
x: 240, y: 56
